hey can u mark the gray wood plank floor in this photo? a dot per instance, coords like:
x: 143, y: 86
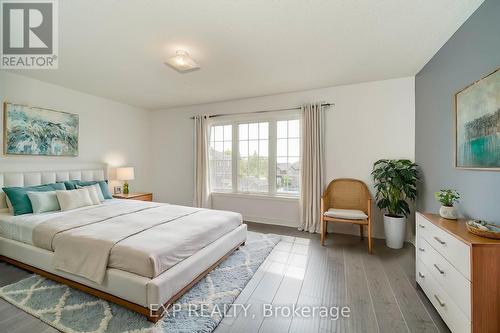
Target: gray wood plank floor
x: 379, y: 289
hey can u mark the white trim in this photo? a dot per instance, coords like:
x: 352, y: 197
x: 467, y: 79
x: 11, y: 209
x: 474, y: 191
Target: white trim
x: 263, y: 196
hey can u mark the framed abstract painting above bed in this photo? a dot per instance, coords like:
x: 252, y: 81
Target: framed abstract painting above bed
x: 37, y: 131
x: 477, y: 118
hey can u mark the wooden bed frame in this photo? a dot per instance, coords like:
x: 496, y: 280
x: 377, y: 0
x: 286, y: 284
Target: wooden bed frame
x: 152, y: 315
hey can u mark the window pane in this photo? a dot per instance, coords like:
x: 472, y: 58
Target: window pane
x: 293, y: 128
x: 288, y: 157
x: 254, y: 164
x: 220, y: 164
x: 253, y: 131
x: 281, y: 129
x: 281, y: 147
x: 219, y: 149
x: 218, y: 133
x: 228, y: 133
x: 243, y: 131
x: 264, y: 148
x: 228, y: 147
x: 253, y: 148
x: 263, y: 130
x: 243, y: 149
x: 293, y: 147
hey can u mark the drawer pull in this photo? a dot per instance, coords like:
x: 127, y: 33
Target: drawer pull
x: 421, y: 226
x: 439, y: 269
x: 439, y: 240
x: 421, y: 249
x: 421, y: 275
x: 439, y: 301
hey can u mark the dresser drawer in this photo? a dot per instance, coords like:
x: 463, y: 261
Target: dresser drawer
x: 448, y: 277
x: 444, y: 304
x: 451, y: 248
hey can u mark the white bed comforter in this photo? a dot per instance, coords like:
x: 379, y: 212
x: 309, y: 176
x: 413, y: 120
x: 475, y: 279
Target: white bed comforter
x: 139, y: 237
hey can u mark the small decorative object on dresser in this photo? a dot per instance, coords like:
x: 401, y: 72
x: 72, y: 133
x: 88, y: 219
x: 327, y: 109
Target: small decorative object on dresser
x: 483, y: 229
x: 135, y: 196
x: 447, y: 198
x: 396, y: 184
x: 459, y: 272
x: 125, y: 174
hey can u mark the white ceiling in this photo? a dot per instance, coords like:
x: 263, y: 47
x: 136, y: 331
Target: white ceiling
x: 116, y: 48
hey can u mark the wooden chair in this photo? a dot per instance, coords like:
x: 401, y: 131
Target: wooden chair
x: 349, y: 201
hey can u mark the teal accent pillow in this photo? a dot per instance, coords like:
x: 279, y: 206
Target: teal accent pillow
x: 43, y: 201
x: 70, y: 184
x: 19, y: 199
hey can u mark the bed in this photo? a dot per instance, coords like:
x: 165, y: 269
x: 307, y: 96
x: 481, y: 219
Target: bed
x: 140, y: 255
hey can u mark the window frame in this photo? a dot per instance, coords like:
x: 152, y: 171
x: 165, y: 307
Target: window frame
x: 272, y: 119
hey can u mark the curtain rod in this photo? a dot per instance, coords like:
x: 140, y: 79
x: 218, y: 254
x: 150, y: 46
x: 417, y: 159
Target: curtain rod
x: 264, y: 111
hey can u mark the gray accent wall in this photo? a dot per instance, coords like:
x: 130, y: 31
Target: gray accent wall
x: 470, y: 54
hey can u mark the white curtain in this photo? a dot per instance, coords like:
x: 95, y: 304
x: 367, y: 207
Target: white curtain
x: 312, y: 166
x: 201, y: 178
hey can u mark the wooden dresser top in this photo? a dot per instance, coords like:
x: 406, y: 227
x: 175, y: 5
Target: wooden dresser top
x: 458, y: 229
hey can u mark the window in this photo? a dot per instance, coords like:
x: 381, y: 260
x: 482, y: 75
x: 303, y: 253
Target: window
x: 288, y: 156
x: 253, y: 161
x: 260, y: 156
x: 220, y: 156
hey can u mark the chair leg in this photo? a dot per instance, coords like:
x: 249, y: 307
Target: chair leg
x: 370, y: 237
x: 361, y: 232
x: 323, y: 233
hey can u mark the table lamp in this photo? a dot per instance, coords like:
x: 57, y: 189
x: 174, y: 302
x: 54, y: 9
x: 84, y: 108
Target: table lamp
x: 125, y: 174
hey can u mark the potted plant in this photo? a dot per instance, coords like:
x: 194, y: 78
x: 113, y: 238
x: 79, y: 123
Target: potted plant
x: 447, y: 198
x: 395, y: 184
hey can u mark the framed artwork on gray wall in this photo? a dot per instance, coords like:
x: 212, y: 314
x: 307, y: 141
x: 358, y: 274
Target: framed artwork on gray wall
x: 37, y: 131
x: 477, y: 121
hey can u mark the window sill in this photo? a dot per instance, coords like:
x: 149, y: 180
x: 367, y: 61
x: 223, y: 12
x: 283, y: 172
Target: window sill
x: 257, y: 196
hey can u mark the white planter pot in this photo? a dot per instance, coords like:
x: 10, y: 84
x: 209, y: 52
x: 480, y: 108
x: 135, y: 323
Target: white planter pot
x: 395, y: 231
x: 449, y: 213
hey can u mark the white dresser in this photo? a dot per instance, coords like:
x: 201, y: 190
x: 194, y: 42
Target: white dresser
x: 460, y: 274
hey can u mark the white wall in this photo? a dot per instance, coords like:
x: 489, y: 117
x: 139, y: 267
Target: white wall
x: 102, y: 123
x: 369, y: 121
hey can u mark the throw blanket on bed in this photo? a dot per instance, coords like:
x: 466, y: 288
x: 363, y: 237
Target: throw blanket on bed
x: 139, y: 237
x: 82, y: 240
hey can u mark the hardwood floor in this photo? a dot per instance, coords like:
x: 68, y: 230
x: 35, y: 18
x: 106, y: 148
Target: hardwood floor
x: 379, y: 289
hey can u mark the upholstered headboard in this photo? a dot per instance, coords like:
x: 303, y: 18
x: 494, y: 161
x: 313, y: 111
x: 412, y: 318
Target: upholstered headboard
x: 23, y: 175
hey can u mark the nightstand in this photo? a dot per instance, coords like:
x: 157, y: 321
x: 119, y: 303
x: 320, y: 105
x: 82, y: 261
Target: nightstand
x: 135, y: 196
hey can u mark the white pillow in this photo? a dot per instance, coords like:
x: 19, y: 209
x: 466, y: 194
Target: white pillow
x: 43, y: 201
x: 73, y: 199
x: 98, y: 192
x: 93, y: 194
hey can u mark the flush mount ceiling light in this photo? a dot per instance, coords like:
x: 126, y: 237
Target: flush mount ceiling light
x: 182, y: 62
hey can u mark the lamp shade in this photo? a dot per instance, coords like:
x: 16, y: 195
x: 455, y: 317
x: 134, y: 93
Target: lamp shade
x: 125, y: 173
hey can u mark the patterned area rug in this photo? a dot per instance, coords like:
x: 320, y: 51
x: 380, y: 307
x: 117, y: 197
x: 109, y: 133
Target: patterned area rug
x: 199, y: 310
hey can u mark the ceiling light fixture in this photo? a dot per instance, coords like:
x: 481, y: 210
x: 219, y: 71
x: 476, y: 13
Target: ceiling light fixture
x: 182, y: 62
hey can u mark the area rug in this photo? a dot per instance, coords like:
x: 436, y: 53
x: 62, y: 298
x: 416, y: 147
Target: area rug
x: 199, y: 310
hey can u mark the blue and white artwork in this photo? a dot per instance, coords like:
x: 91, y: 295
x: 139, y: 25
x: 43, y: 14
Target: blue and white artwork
x: 478, y: 124
x: 37, y: 131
